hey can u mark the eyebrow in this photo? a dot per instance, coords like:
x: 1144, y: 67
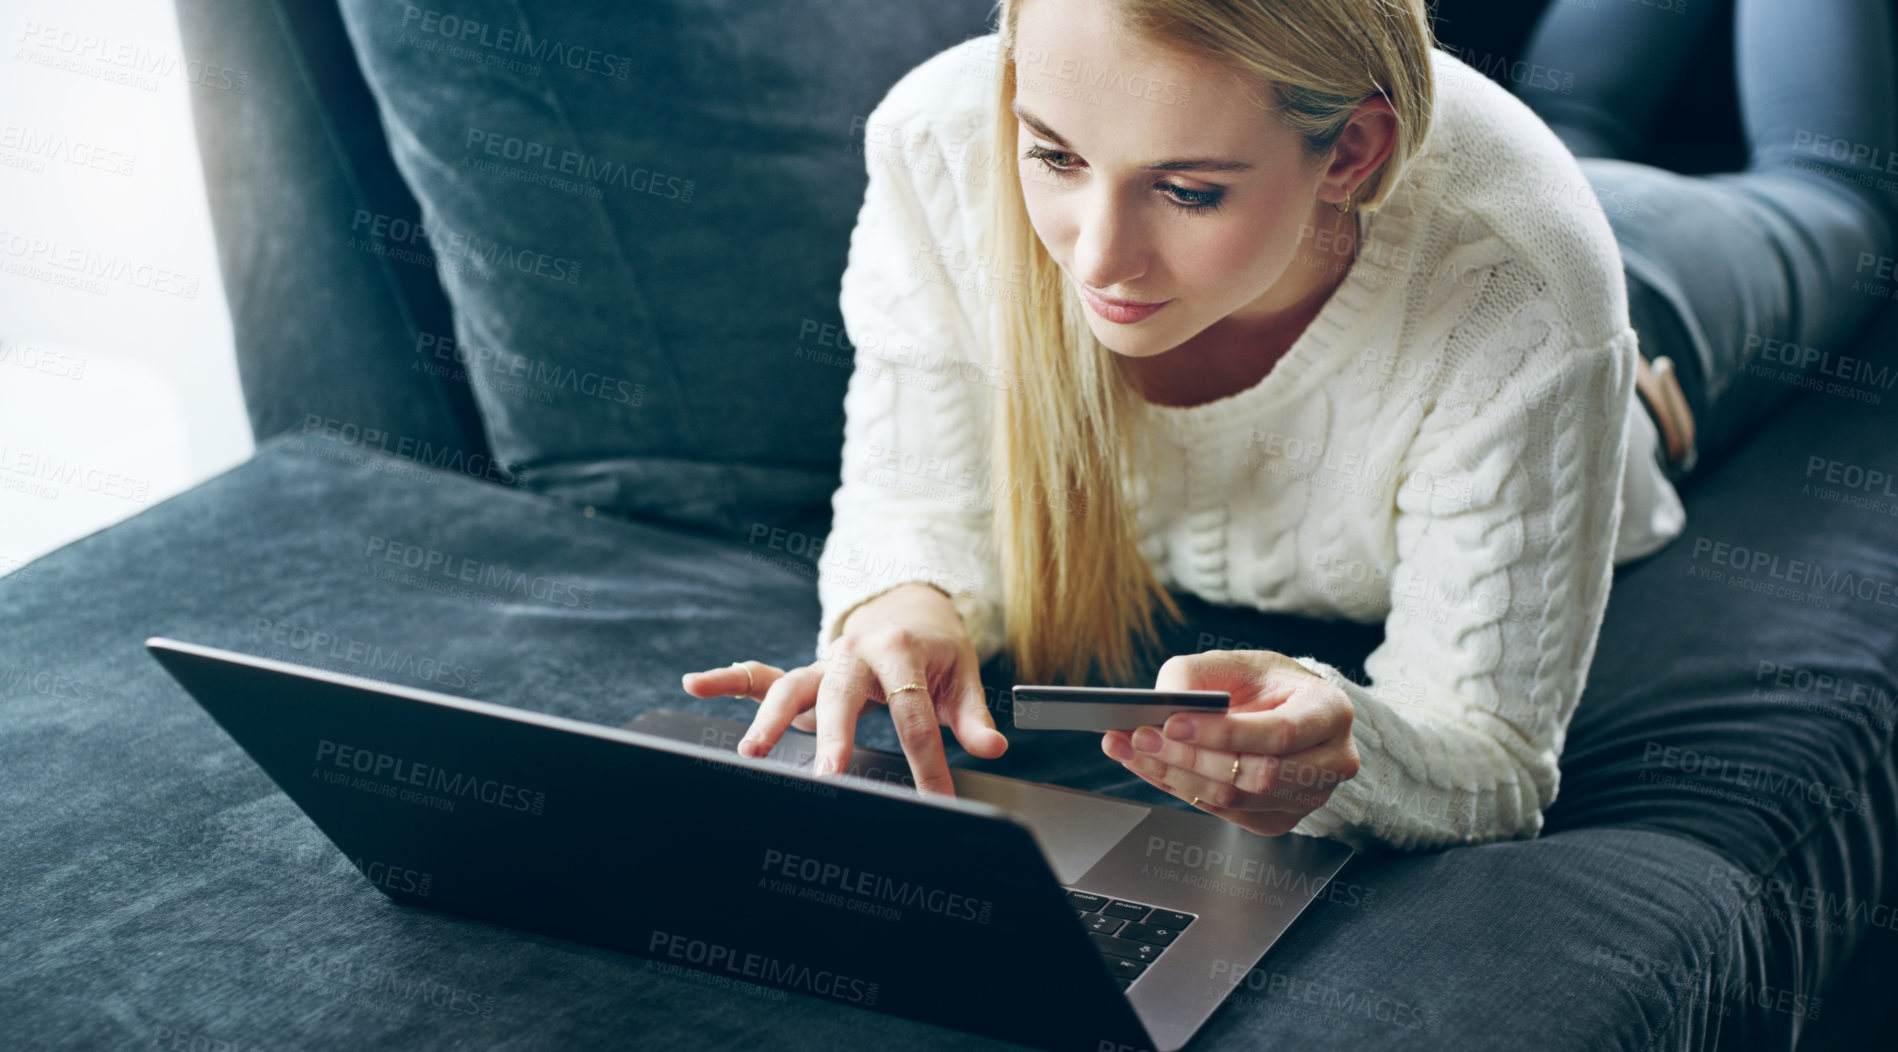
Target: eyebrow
x: 1191, y: 165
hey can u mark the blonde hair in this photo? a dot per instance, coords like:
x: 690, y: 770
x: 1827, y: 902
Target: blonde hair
x: 1079, y: 597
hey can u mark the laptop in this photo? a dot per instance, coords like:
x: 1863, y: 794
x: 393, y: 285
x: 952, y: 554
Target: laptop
x: 1021, y: 911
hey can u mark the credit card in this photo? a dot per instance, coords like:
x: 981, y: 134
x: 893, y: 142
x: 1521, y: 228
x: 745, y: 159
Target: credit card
x: 1107, y: 708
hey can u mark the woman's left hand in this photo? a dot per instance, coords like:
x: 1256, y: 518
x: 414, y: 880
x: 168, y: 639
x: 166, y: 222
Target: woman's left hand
x: 1288, y: 728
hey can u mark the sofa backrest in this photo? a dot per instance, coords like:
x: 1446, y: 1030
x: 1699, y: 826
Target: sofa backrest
x: 597, y: 242
x: 640, y: 213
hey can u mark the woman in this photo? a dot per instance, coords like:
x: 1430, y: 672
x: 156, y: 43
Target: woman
x: 1278, y: 304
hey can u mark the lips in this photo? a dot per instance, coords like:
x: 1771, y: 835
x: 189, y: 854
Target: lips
x: 1121, y: 311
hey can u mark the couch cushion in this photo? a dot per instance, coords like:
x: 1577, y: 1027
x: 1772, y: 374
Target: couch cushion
x: 640, y: 213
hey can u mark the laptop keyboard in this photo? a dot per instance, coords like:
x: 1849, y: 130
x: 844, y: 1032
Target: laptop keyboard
x: 1130, y: 935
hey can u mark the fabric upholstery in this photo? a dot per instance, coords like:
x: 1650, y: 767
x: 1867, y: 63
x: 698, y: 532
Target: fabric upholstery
x: 640, y: 213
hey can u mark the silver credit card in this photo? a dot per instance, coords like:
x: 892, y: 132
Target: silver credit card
x: 1107, y: 708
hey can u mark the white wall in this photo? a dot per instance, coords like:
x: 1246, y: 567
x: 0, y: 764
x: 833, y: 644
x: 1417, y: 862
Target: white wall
x: 118, y: 384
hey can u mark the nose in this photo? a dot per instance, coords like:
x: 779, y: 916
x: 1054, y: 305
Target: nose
x: 1109, y: 245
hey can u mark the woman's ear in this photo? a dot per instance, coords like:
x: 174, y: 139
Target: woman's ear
x: 1367, y: 141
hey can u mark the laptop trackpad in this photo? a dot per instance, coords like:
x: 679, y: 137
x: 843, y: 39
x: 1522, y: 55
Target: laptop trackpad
x: 1074, y: 829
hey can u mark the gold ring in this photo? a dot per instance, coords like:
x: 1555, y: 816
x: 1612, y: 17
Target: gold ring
x: 1235, y: 770
x: 748, y: 680
x: 1196, y: 801
x: 908, y: 686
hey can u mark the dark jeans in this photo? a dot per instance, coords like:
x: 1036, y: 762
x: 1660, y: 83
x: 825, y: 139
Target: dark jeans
x: 1753, y: 282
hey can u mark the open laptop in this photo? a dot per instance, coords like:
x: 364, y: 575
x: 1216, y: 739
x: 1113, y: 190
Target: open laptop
x: 1022, y: 911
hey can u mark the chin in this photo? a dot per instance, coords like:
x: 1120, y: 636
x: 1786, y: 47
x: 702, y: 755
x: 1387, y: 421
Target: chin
x: 1133, y: 341
x: 1127, y: 347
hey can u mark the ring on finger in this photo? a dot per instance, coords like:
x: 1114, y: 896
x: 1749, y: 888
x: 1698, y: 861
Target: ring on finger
x: 909, y: 686
x: 746, y: 693
x: 1235, y: 770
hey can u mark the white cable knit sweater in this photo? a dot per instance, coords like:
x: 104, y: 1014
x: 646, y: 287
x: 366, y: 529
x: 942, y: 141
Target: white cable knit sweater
x: 1448, y: 448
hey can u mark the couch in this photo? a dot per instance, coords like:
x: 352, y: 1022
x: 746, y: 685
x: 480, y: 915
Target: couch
x: 551, y: 289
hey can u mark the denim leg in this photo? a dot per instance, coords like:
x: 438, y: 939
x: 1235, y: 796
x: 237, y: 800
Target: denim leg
x: 1766, y: 269
x: 1625, y: 58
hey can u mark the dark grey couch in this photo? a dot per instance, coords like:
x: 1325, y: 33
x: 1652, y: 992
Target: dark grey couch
x: 634, y: 396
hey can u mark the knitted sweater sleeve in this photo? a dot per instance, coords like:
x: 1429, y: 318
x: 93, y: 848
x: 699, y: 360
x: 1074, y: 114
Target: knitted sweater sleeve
x: 913, y: 502
x: 1497, y: 595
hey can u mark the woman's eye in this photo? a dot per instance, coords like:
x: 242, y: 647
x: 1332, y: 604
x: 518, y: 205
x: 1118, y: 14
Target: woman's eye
x: 1193, y: 200
x: 1061, y: 164
x: 1057, y: 161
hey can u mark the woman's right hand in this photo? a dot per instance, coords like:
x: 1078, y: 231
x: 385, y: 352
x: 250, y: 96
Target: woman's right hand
x: 910, y: 634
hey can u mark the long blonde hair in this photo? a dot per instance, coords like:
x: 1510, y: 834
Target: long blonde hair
x: 1079, y: 596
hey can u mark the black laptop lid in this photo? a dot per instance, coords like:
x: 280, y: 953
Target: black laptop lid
x: 841, y: 888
